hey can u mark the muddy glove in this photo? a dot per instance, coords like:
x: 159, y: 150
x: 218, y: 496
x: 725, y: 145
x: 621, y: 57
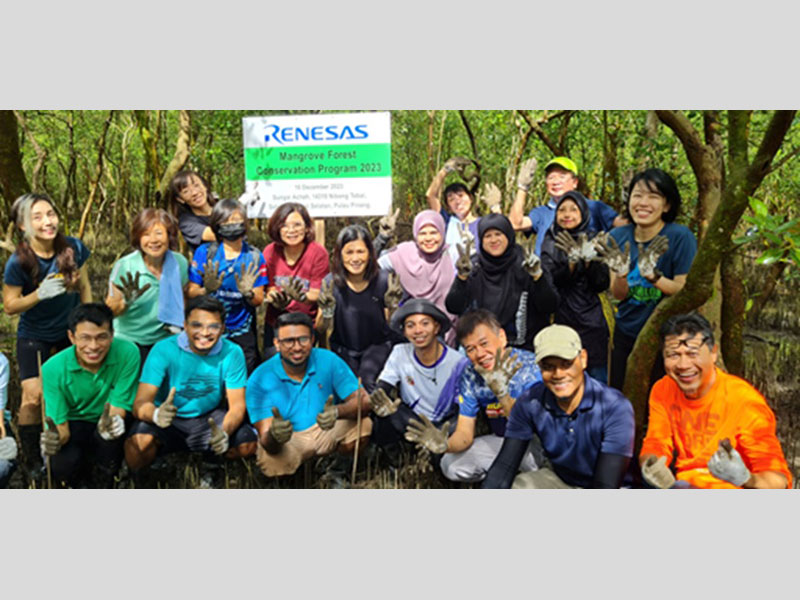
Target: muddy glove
x: 569, y: 246
x: 382, y: 405
x: 130, y: 288
x: 656, y: 473
x: 394, y: 293
x: 212, y: 279
x: 280, y: 429
x: 110, y: 428
x: 245, y: 279
x: 589, y: 246
x: 499, y: 376
x: 327, y: 418
x: 8, y: 448
x: 387, y: 224
x: 527, y: 172
x: 278, y: 299
x: 424, y: 433
x: 219, y: 440
x: 493, y: 198
x: 294, y: 289
x: 532, y: 263
x: 464, y: 262
x: 617, y: 260
x: 49, y: 440
x: 727, y: 464
x: 649, y: 257
x: 164, y: 414
x: 458, y: 163
x: 327, y: 301
x: 51, y: 286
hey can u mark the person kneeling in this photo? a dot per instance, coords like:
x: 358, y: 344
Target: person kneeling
x: 585, y: 428
x: 304, y: 401
x: 179, y: 404
x: 88, y: 390
x: 493, y: 381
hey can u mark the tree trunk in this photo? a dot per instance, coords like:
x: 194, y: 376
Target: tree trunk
x: 13, y: 182
x: 98, y: 173
x: 732, y: 313
x: 182, y: 147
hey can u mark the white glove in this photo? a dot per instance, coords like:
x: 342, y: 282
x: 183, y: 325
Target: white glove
x: 110, y: 428
x: 656, y: 473
x: 219, y: 440
x: 8, y: 448
x: 51, y: 286
x: 164, y: 414
x: 727, y: 464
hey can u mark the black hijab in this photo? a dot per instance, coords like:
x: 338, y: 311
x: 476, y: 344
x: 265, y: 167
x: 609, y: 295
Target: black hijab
x: 583, y: 206
x: 499, y: 280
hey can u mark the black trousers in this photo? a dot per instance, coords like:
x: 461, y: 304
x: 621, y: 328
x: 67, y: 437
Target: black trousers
x: 86, y: 452
x: 623, y: 345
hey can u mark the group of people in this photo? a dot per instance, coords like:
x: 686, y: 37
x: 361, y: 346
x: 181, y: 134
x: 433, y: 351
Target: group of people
x: 495, y: 358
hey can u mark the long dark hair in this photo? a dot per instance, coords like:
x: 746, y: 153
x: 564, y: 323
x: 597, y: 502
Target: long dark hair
x: 179, y: 181
x: 64, y: 252
x: 351, y: 233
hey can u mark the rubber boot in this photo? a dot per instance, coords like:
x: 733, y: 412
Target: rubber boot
x: 30, y: 454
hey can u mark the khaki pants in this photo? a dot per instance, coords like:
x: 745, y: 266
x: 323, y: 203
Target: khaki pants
x: 543, y: 479
x: 311, y: 442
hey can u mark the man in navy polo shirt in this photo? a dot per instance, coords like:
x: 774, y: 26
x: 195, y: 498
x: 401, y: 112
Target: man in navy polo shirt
x: 561, y: 176
x: 586, y: 428
x: 303, y: 401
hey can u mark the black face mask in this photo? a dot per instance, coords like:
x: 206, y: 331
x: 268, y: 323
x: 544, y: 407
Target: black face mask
x: 232, y: 231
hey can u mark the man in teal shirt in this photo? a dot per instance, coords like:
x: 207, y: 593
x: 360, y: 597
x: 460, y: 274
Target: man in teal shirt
x: 179, y: 405
x: 88, y: 391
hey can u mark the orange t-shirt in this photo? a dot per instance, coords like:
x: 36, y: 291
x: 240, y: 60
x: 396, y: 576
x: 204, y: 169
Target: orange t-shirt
x: 731, y: 409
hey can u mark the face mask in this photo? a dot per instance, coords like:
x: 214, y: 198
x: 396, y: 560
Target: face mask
x: 231, y: 231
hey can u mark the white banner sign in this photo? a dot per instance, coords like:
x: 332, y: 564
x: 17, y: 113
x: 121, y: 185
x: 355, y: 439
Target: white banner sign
x: 337, y: 165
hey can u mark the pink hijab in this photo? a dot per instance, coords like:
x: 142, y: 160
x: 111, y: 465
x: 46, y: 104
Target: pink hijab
x: 424, y: 275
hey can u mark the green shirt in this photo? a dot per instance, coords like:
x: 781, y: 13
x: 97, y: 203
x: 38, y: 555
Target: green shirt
x: 139, y: 323
x: 71, y: 393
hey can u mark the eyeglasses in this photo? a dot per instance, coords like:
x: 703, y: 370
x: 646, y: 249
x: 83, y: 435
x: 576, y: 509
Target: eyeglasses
x: 289, y: 342
x: 293, y: 227
x: 671, y: 350
x: 100, y: 338
x: 209, y: 327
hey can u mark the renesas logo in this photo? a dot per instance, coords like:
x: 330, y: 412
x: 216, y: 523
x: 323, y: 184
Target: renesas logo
x: 282, y: 135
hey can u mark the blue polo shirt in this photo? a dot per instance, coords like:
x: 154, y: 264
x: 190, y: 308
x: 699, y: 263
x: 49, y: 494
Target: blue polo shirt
x: 474, y: 395
x: 601, y: 219
x: 299, y: 401
x: 603, y: 422
x: 199, y: 379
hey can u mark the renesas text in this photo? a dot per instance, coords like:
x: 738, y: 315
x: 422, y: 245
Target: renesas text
x: 282, y: 135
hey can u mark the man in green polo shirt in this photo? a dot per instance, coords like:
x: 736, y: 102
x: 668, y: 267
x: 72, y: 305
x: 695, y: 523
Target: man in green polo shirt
x: 88, y: 391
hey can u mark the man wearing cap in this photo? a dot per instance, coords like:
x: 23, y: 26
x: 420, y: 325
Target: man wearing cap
x: 718, y: 428
x: 585, y: 428
x: 561, y: 176
x: 425, y: 371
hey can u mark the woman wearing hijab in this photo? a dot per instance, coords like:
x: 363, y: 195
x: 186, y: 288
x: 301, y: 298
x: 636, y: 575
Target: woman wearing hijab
x: 567, y: 254
x: 424, y: 267
x: 505, y: 280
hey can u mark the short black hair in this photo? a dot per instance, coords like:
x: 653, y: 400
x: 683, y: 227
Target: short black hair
x: 294, y: 318
x: 469, y: 321
x: 224, y: 210
x: 455, y: 188
x: 206, y: 303
x: 94, y: 312
x: 659, y: 181
x: 691, y: 323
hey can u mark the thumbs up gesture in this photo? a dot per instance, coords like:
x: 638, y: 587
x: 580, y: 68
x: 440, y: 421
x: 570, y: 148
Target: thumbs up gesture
x: 50, y: 441
x: 110, y: 428
x: 327, y: 418
x: 165, y: 413
x: 219, y: 439
x: 280, y: 429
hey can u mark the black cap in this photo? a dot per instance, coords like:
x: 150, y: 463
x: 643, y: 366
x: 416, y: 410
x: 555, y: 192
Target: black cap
x: 419, y: 306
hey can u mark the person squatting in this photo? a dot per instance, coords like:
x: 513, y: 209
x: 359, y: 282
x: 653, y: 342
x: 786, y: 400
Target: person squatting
x: 489, y: 356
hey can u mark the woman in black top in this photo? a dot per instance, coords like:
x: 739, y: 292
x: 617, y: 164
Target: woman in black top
x: 352, y: 309
x: 578, y: 279
x: 191, y: 202
x: 505, y: 280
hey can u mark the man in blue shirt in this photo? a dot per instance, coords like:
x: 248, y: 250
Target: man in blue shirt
x: 496, y: 377
x: 585, y: 428
x: 304, y: 401
x: 179, y: 404
x: 561, y: 176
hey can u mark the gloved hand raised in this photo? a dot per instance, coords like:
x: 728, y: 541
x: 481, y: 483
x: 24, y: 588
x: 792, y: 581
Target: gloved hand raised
x: 164, y: 414
x: 110, y: 428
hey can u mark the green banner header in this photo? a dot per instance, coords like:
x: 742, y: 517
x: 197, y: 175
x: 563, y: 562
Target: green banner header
x: 318, y: 162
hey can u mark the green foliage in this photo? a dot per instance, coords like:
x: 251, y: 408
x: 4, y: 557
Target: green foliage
x: 776, y: 236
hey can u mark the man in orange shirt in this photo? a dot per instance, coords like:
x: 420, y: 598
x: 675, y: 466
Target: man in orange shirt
x: 717, y: 426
